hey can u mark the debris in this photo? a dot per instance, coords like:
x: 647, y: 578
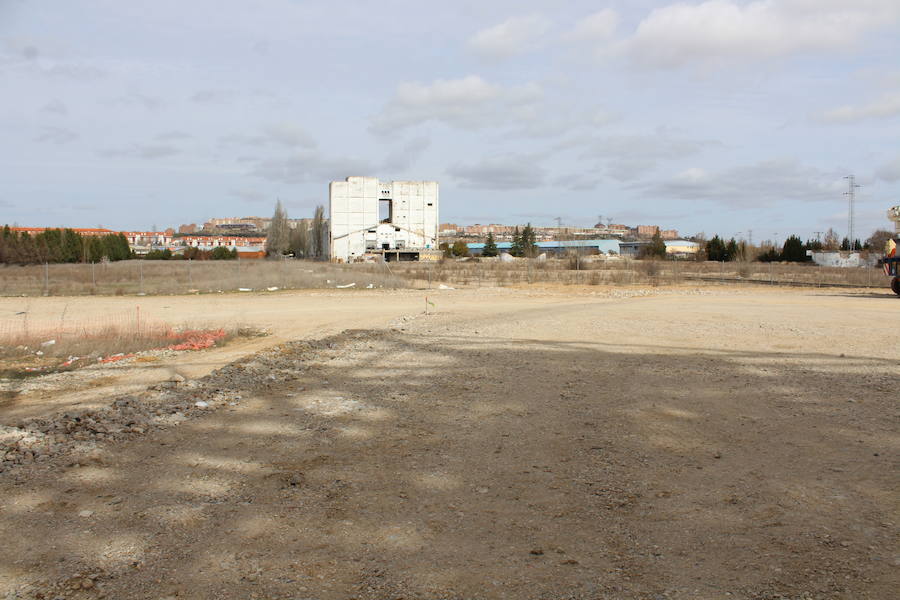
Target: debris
x: 445, y: 287
x: 245, y: 289
x: 201, y: 404
x: 349, y: 285
x: 48, y: 343
x: 272, y: 289
x: 86, y: 513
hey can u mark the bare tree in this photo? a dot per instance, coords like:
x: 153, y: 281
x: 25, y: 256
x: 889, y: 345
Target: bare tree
x: 278, y: 236
x: 319, y: 232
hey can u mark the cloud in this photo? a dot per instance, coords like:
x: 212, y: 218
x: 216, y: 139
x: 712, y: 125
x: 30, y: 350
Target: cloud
x: 627, y: 157
x: 767, y: 182
x: 308, y: 165
x: 466, y: 103
x: 289, y: 134
x: 406, y: 155
x: 173, y: 135
x: 599, y: 26
x: 884, y: 108
x: 55, y: 107
x: 889, y: 171
x: 513, y: 36
x: 249, y: 195
x: 725, y: 31
x: 134, y: 98
x: 56, y: 135
x: 213, y: 96
x: 505, y: 172
x: 143, y: 151
x: 578, y: 182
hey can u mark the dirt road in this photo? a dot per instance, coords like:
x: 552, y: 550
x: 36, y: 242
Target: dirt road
x: 714, y: 444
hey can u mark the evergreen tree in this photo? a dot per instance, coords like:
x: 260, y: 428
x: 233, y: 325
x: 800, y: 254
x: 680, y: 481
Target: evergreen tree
x: 731, y: 250
x: 490, y: 246
x: 845, y: 244
x: 528, y: 242
x: 515, y: 248
x: 716, y: 250
x: 793, y: 250
x: 656, y: 248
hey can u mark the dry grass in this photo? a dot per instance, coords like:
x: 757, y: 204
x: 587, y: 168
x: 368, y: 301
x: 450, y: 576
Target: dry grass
x: 28, y: 348
x: 587, y: 271
x: 179, y: 277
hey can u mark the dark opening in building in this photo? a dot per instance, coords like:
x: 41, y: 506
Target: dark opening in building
x: 385, y: 211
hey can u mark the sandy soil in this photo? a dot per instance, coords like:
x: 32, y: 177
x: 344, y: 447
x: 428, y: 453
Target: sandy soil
x: 517, y: 444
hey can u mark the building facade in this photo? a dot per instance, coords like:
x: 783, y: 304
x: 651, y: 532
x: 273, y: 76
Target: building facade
x: 396, y: 219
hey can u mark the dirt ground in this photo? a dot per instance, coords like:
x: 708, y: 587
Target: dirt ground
x: 524, y: 444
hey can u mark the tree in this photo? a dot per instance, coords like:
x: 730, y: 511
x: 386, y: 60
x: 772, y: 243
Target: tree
x: 515, y: 248
x: 319, y: 233
x: 490, y: 247
x: 656, y: 248
x: 716, y: 250
x: 831, y: 242
x: 446, y: 250
x: 460, y: 248
x: 878, y: 240
x: 845, y: 244
x: 528, y: 241
x: 793, y: 250
x: 278, y: 236
x: 731, y: 250
x: 223, y: 253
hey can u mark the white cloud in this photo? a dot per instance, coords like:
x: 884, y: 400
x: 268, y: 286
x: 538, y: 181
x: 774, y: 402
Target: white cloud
x: 56, y: 135
x: 723, y: 31
x: 628, y: 157
x: 144, y: 151
x: 889, y: 171
x: 513, y: 36
x: 885, y: 107
x: 750, y: 186
x: 289, y: 134
x: 309, y: 165
x: 504, y: 172
x: 466, y: 103
x: 599, y: 26
x: 55, y: 107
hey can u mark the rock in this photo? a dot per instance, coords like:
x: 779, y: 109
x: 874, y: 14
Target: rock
x: 86, y: 513
x: 201, y: 404
x: 537, y: 552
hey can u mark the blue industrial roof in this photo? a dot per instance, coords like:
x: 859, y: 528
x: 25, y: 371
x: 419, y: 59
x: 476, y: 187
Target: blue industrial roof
x: 604, y: 245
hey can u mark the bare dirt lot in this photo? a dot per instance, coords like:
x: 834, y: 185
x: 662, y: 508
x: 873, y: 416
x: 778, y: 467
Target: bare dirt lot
x: 603, y: 443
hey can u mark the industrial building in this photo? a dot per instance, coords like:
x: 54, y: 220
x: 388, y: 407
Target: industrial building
x: 386, y: 220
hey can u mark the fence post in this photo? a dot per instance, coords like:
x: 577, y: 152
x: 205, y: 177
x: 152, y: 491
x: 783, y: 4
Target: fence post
x: 771, y: 273
x: 190, y: 275
x: 94, y: 275
x: 141, y: 271
x: 46, y: 279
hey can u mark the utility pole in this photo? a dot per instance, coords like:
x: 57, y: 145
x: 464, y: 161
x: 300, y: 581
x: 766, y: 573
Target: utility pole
x: 818, y: 235
x: 750, y: 237
x: 558, y: 222
x: 851, y: 195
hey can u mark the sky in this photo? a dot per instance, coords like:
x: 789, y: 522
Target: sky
x: 718, y: 116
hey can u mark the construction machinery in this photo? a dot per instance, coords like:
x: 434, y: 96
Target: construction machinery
x: 891, y: 256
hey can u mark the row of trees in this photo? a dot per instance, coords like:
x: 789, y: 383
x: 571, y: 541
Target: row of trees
x: 60, y: 246
x: 191, y: 253
x: 308, y: 239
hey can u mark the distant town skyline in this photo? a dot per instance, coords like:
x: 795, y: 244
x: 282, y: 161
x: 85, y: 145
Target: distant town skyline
x: 720, y: 116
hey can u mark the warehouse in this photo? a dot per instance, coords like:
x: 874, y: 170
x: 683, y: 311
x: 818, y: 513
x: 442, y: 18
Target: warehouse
x: 386, y: 220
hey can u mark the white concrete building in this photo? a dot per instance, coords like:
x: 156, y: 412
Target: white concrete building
x: 396, y: 219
